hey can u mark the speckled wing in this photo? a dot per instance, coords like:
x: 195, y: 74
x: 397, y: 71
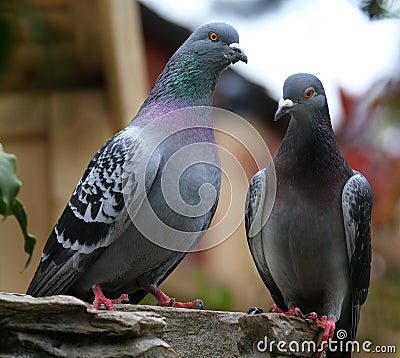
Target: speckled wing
x: 254, y: 220
x: 357, y: 208
x: 96, y: 213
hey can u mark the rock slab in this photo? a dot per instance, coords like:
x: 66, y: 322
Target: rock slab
x: 64, y: 326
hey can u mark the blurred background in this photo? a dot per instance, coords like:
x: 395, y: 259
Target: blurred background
x: 73, y: 73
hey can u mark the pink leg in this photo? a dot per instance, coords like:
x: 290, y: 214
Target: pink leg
x: 328, y: 325
x: 99, y: 299
x: 166, y: 301
x: 293, y: 311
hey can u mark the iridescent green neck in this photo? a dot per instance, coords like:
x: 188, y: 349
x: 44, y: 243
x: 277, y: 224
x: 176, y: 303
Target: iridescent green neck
x: 187, y: 80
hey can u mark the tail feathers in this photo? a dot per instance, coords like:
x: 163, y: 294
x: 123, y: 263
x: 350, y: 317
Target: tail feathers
x: 51, y: 279
x: 355, y: 318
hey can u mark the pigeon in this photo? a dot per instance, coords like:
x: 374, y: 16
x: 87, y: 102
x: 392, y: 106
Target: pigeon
x: 116, y: 236
x: 308, y: 218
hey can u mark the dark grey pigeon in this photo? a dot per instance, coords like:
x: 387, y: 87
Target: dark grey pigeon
x: 118, y: 235
x: 313, y: 252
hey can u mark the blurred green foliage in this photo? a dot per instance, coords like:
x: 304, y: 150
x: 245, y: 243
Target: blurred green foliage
x: 9, y: 204
x: 214, y: 297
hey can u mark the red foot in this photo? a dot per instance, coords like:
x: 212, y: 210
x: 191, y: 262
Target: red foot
x: 165, y: 301
x: 328, y: 325
x: 99, y: 299
x: 293, y: 311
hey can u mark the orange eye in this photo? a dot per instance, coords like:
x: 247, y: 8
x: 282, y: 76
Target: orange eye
x: 309, y: 92
x: 213, y: 36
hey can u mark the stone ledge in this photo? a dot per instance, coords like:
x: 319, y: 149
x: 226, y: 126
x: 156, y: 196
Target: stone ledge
x: 64, y: 326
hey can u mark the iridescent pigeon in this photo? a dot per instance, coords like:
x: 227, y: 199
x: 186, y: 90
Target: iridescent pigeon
x: 313, y: 251
x: 118, y: 236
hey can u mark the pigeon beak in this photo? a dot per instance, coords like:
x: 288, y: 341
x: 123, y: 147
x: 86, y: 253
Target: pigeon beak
x: 284, y: 106
x: 239, y: 54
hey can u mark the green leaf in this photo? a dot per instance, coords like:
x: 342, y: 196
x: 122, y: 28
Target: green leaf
x: 9, y: 183
x: 9, y: 204
x: 30, y: 240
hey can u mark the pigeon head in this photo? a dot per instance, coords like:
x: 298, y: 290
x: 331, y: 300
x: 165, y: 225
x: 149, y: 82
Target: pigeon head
x: 303, y: 96
x: 216, y: 43
x: 191, y: 74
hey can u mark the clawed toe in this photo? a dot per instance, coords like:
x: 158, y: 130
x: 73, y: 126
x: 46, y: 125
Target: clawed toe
x: 311, y: 316
x: 192, y: 304
x: 327, y: 324
x: 164, y: 300
x: 123, y: 298
x: 100, y: 299
x: 298, y: 313
x: 292, y: 311
x: 275, y: 309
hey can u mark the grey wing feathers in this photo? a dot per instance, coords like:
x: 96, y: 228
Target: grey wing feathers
x: 254, y: 220
x: 357, y: 208
x: 253, y: 210
x: 94, y: 217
